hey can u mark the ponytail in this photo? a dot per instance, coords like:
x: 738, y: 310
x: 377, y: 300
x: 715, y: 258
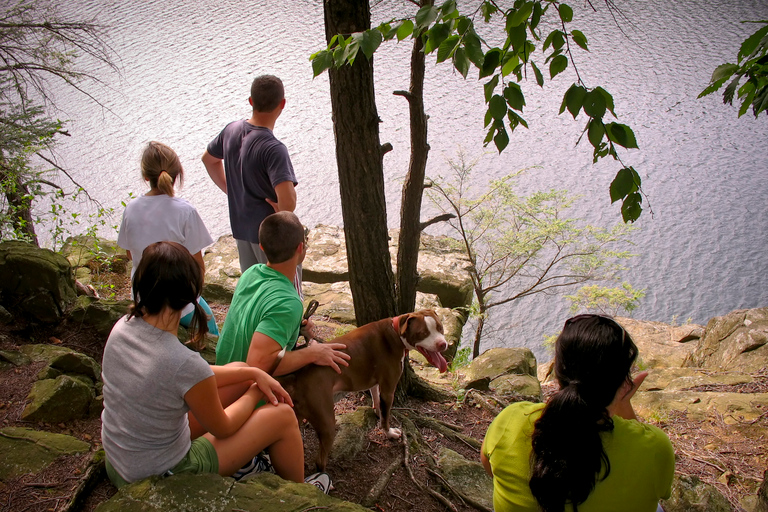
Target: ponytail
x: 160, y: 166
x: 593, y: 357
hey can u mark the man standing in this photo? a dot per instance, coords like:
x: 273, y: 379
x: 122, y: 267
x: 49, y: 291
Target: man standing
x: 254, y: 169
x: 265, y: 315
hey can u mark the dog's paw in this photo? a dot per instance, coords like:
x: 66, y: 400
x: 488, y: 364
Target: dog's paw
x: 394, y: 433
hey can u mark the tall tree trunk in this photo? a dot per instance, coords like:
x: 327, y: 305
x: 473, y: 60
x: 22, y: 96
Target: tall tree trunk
x: 478, y: 335
x: 361, y: 172
x: 413, y: 189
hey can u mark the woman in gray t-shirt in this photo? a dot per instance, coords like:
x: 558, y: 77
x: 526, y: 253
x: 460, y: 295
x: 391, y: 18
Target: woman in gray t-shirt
x: 154, y: 387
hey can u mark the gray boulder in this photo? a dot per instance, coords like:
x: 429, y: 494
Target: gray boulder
x: 689, y: 494
x: 222, y: 270
x: 38, y: 282
x: 351, y: 435
x: 61, y: 399
x: 99, y: 314
x: 467, y: 477
x: 213, y: 493
x: 662, y: 345
x: 736, y: 341
x: 13, y: 358
x: 29, y: 451
x: 505, y: 371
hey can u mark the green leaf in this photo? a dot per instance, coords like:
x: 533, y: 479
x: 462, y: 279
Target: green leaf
x: 474, y: 50
x: 621, y: 134
x: 631, y: 207
x: 463, y: 25
x: 557, y: 65
x: 461, y: 61
x: 516, y: 37
x: 536, y: 16
x: 490, y: 62
x: 322, y: 61
x: 425, y: 16
x: 490, y: 87
x: 749, y: 45
x: 595, y: 132
x: 370, y: 42
x: 624, y: 184
x: 510, y: 63
x: 548, y: 40
x: 579, y: 38
x: 501, y: 139
x: 515, y: 119
x: 594, y: 104
x: 558, y: 40
x: 539, y: 76
x: 573, y: 99
x: 436, y: 35
x: 514, y: 96
x: 404, y: 30
x: 608, y: 99
x: 723, y: 72
x: 730, y: 90
x: 747, y: 92
x: 519, y: 16
x: 447, y: 48
x: 488, y: 120
x: 497, y: 107
x: 488, y: 9
x: 448, y: 8
x: 566, y: 13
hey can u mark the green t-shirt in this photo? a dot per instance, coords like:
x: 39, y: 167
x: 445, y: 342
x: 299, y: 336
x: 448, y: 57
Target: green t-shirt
x: 642, y: 464
x: 265, y: 301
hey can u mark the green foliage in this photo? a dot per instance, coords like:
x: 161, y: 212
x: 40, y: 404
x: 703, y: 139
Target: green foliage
x: 455, y: 36
x: 462, y: 358
x: 752, y: 65
x: 606, y: 300
x: 519, y: 246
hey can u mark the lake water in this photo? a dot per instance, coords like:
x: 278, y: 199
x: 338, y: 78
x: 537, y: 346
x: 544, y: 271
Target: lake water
x: 186, y: 69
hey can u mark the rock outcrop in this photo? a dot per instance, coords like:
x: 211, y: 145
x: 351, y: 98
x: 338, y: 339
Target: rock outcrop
x: 36, y: 282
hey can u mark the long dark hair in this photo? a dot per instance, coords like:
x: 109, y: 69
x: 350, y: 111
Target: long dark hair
x: 168, y: 275
x: 593, y: 358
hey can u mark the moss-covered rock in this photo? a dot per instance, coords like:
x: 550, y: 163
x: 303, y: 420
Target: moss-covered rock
x: 689, y: 494
x: 61, y: 399
x: 213, y: 493
x: 496, y: 362
x: 27, y: 451
x: 37, y: 282
x: 467, y: 477
x: 99, y: 314
x: 352, y: 431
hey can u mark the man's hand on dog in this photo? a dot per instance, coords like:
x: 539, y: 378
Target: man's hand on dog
x: 329, y: 354
x: 307, y: 329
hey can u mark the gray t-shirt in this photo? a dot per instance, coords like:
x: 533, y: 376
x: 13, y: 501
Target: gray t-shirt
x: 146, y: 373
x: 255, y: 162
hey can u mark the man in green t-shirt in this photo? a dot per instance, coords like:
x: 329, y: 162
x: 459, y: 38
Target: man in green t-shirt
x: 264, y: 318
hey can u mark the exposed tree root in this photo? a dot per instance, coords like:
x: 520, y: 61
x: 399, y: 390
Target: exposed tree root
x: 439, y: 497
x: 381, y: 484
x: 463, y: 497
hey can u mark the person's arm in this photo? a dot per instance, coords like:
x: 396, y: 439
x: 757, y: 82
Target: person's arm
x: 486, y: 463
x: 621, y: 405
x: 264, y: 351
x: 286, y: 197
x: 215, y: 168
x: 204, y: 403
x: 198, y: 256
x: 129, y: 255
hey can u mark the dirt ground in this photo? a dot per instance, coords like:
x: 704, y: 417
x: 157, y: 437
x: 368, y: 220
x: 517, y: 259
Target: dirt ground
x: 730, y: 457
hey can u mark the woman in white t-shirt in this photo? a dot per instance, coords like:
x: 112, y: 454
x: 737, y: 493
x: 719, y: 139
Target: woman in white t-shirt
x: 158, y: 216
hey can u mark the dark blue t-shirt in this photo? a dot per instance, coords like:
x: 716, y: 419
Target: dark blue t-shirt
x: 254, y: 162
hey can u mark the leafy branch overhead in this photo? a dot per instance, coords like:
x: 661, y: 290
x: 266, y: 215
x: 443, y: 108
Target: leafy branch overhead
x: 453, y: 36
x: 753, y: 65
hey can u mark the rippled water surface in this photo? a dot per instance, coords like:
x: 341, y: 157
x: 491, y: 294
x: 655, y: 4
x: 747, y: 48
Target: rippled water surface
x: 186, y: 69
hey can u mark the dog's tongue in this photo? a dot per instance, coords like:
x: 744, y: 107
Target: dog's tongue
x: 436, y: 358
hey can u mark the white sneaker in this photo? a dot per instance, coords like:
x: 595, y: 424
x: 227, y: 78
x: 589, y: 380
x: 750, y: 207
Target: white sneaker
x: 320, y: 480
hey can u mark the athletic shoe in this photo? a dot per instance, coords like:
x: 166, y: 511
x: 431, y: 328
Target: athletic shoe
x: 259, y: 464
x: 320, y: 480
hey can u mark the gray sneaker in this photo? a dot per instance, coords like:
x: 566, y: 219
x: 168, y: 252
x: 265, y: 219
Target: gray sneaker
x: 320, y: 480
x: 259, y: 464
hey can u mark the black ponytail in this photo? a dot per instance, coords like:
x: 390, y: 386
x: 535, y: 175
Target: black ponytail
x: 593, y: 357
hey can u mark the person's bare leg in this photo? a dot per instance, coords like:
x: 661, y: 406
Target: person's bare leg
x: 272, y: 427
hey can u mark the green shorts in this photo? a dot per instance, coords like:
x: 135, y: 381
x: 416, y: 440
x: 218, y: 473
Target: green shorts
x: 201, y: 458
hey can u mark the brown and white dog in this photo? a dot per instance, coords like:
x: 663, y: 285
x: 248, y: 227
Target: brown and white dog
x: 377, y: 352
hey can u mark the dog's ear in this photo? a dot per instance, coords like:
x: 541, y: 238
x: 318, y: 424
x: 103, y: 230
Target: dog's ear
x: 404, y: 319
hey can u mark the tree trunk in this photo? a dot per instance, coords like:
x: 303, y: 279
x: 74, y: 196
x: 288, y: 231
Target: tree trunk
x: 361, y: 172
x: 478, y: 334
x: 413, y: 189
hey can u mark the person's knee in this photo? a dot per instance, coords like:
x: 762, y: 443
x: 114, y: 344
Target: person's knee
x: 283, y: 415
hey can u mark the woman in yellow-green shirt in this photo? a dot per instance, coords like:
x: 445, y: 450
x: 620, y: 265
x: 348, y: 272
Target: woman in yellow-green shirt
x: 584, y: 450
